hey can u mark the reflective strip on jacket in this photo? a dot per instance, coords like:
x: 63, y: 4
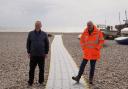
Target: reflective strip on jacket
x: 91, y: 44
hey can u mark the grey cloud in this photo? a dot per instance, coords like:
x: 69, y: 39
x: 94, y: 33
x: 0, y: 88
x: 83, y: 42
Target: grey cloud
x: 60, y: 13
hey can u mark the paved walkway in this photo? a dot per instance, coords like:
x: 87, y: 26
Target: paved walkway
x: 62, y: 68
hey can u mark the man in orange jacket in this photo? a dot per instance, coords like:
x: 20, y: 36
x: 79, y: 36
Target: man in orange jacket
x: 91, y: 42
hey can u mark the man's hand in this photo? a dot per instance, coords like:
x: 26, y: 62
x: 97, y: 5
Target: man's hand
x: 29, y: 55
x: 46, y: 55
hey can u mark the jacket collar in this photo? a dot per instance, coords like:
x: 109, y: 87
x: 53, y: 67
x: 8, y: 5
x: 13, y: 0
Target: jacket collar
x: 36, y: 31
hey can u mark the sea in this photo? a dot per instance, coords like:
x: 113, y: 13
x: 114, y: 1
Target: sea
x: 50, y: 29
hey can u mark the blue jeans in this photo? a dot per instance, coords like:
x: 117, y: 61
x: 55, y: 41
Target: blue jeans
x: 92, y: 68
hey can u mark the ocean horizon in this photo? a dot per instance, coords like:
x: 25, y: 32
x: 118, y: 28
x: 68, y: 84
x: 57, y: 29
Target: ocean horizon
x: 49, y: 29
x: 26, y: 29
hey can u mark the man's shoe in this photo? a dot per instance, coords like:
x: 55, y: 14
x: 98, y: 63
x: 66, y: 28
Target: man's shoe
x: 77, y: 79
x: 90, y: 82
x: 41, y: 84
x: 29, y: 85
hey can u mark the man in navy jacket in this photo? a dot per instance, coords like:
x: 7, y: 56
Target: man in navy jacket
x: 37, y: 49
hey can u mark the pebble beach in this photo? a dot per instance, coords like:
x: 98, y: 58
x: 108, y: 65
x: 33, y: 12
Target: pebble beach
x: 14, y: 62
x: 112, y: 69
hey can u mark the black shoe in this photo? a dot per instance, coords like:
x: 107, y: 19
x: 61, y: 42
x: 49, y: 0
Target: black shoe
x: 90, y: 82
x: 40, y: 84
x: 29, y: 84
x: 77, y: 79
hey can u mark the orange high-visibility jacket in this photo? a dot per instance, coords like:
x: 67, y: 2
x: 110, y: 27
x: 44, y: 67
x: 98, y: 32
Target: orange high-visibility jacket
x: 91, y: 44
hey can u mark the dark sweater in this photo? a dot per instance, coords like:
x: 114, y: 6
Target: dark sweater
x: 37, y: 43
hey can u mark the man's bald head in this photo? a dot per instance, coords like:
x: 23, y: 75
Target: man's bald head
x: 90, y: 25
x: 90, y: 22
x: 38, y: 25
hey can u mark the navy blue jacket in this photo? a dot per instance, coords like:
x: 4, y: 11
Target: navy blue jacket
x: 37, y: 43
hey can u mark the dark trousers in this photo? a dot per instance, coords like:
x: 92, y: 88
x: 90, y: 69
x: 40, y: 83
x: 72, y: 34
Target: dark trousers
x: 34, y: 60
x: 92, y: 68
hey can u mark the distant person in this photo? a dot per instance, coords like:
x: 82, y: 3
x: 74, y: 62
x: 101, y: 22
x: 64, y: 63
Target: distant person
x: 91, y: 42
x: 37, y: 48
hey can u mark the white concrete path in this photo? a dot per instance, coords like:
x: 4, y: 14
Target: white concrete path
x: 62, y: 68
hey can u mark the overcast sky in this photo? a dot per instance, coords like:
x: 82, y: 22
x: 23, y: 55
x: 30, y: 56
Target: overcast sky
x: 61, y: 13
